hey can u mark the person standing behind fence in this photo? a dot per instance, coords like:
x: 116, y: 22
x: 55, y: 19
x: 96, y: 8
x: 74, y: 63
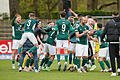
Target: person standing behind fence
x: 112, y: 30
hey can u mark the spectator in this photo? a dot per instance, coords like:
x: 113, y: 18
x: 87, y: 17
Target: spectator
x: 112, y: 30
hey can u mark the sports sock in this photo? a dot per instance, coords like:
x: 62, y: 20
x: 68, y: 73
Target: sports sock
x: 58, y: 57
x: 93, y: 61
x: 78, y: 63
x: 102, y: 65
x: 27, y: 62
x: 83, y: 62
x: 31, y: 61
x: 66, y: 57
x: 13, y: 61
x: 75, y: 60
x: 32, y: 49
x: 43, y: 60
x: 107, y: 63
x: 46, y: 61
x: 49, y: 63
x: 70, y: 58
x: 19, y: 50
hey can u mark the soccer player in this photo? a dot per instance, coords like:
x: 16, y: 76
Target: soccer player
x: 82, y: 45
x: 63, y: 27
x: 104, y: 50
x: 29, y: 26
x: 38, y: 31
x: 16, y: 35
x: 91, y: 44
x: 45, y: 60
x: 50, y: 46
x: 96, y: 43
x: 72, y: 45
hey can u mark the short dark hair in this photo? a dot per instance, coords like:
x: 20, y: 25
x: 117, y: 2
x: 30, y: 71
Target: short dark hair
x: 50, y: 22
x: 89, y: 16
x: 31, y: 14
x: 95, y: 19
x: 79, y: 15
x: 115, y: 13
x: 63, y: 14
x: 99, y: 25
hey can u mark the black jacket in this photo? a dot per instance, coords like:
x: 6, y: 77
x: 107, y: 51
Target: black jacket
x: 66, y: 4
x: 112, y: 30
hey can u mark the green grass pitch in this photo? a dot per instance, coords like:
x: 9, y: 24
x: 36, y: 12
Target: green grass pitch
x: 6, y: 73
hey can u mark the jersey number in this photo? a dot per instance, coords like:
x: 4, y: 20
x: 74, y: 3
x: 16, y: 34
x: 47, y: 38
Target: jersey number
x: 28, y: 25
x: 63, y: 28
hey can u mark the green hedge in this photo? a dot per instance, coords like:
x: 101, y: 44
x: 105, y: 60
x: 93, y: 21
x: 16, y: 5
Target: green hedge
x: 55, y: 14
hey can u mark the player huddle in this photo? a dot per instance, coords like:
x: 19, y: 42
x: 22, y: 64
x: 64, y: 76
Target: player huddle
x: 85, y: 43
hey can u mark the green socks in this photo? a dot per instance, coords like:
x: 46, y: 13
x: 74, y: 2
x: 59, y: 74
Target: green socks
x: 32, y: 49
x: 19, y: 50
x: 43, y: 60
x: 78, y: 63
x: 75, y: 60
x: 83, y: 62
x: 107, y: 63
x: 93, y: 62
x: 70, y: 58
x: 66, y: 57
x: 58, y: 57
x: 102, y: 65
x: 31, y: 61
x: 27, y: 62
x: 49, y: 63
x: 13, y: 61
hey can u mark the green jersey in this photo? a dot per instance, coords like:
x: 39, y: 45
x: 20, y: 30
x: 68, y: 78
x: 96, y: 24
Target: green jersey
x: 51, y: 37
x: 30, y: 25
x: 98, y: 35
x: 16, y: 29
x: 83, y: 39
x: 63, y: 27
x: 77, y: 24
x: 72, y: 38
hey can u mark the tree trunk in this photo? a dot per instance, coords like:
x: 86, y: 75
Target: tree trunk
x: 35, y: 5
x: 118, y: 6
x: 89, y: 4
x: 74, y: 4
x: 92, y: 4
x: 14, y: 7
x: 60, y: 5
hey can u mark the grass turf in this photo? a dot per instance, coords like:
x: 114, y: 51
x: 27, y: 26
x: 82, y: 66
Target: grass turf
x: 6, y: 73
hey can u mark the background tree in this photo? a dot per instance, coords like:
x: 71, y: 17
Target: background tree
x: 60, y: 5
x: 74, y: 4
x: 92, y: 4
x: 14, y: 7
x: 118, y: 5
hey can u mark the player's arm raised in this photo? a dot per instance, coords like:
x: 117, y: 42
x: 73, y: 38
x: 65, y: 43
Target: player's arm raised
x: 13, y: 20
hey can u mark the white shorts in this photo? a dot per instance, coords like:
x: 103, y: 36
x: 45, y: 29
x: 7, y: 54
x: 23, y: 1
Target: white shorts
x: 30, y: 36
x: 16, y: 44
x: 50, y: 49
x: 104, y: 52
x: 61, y: 43
x: 81, y: 50
x: 39, y: 51
x: 72, y: 47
